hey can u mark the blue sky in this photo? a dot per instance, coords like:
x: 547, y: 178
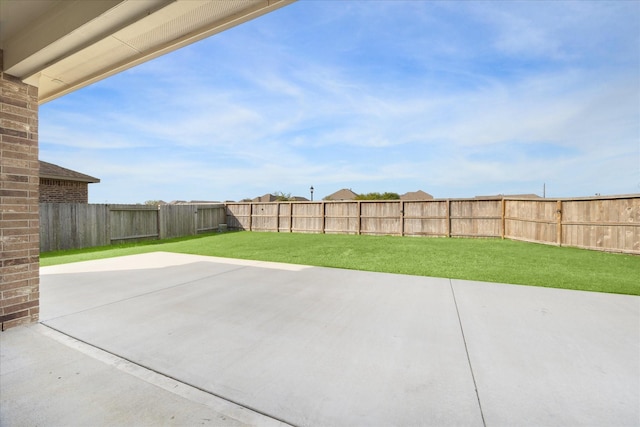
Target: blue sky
x: 457, y: 99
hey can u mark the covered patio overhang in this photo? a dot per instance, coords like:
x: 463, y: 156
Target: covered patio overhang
x: 59, y: 46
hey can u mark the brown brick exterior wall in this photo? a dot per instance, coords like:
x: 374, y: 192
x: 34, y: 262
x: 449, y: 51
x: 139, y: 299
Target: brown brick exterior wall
x: 19, y: 212
x: 61, y: 191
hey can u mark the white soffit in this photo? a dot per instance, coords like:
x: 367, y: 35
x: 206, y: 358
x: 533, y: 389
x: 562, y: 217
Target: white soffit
x: 63, y: 45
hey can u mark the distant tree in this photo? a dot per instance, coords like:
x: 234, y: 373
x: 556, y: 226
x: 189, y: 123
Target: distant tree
x: 282, y: 197
x: 154, y: 202
x: 378, y: 196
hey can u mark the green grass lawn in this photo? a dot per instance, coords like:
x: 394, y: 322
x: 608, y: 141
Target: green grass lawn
x: 491, y: 260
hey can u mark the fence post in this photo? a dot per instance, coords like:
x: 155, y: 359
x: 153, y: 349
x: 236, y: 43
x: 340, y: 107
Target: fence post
x: 402, y: 217
x: 159, y: 226
x: 278, y: 217
x: 108, y: 223
x: 504, y: 210
x: 559, y: 222
x: 195, y: 220
x: 448, y: 211
x: 323, y: 213
x: 250, y: 216
x: 359, y: 216
x: 290, y: 217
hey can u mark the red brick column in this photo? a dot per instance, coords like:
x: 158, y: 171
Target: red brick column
x: 19, y: 211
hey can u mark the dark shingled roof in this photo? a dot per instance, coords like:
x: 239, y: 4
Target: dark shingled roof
x: 266, y: 198
x: 344, y: 194
x: 416, y: 195
x: 51, y: 171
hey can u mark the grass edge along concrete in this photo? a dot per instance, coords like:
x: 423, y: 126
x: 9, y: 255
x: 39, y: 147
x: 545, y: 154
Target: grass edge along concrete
x: 487, y: 260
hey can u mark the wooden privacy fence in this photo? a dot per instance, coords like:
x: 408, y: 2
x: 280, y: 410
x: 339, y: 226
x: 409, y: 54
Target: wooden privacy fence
x: 76, y: 225
x: 609, y: 224
x: 603, y: 223
x: 451, y: 218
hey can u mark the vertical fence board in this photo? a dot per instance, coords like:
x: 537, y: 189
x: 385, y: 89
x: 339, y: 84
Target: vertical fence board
x: 284, y: 218
x: 476, y: 218
x: 306, y: 217
x: 177, y: 221
x: 209, y: 217
x: 380, y: 217
x: 426, y: 218
x: 607, y: 224
x: 341, y: 217
x: 72, y: 225
x: 264, y: 217
x: 531, y: 220
x: 133, y: 222
x: 238, y: 216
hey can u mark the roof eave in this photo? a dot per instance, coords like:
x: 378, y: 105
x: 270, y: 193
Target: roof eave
x: 91, y: 180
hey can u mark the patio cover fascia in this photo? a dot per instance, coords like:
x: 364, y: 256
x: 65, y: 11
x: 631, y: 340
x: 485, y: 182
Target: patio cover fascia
x: 60, y: 46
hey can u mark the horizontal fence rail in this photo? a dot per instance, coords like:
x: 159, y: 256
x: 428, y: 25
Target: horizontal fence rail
x: 602, y: 223
x: 78, y: 225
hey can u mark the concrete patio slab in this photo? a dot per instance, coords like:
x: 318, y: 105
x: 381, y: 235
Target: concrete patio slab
x: 546, y: 357
x: 316, y: 346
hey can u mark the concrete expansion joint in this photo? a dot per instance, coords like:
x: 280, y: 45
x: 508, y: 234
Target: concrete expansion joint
x: 466, y: 349
x: 166, y: 382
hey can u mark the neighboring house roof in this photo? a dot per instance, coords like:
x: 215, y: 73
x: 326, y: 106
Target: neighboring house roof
x: 192, y: 202
x: 416, y: 195
x: 299, y: 199
x: 51, y: 171
x: 266, y: 198
x: 516, y: 196
x: 344, y: 194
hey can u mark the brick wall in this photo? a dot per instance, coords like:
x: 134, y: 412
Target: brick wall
x: 19, y: 210
x: 62, y: 191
